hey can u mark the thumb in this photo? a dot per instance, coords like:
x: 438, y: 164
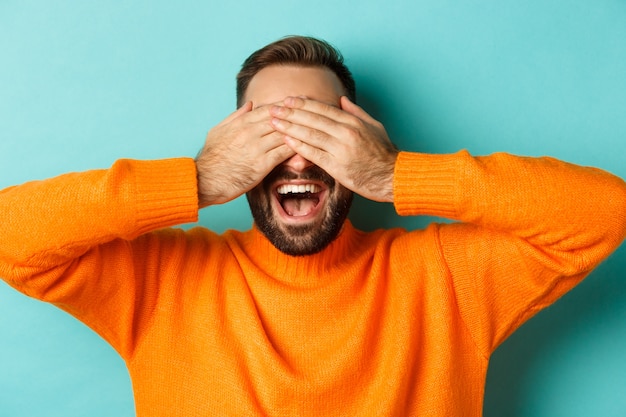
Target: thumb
x: 355, y: 110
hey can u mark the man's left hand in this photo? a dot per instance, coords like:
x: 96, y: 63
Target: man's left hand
x: 346, y: 142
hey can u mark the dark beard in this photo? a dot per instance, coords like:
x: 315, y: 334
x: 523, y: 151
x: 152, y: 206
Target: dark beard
x: 306, y: 239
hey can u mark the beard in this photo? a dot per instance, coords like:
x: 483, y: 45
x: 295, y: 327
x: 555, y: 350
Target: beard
x: 305, y: 239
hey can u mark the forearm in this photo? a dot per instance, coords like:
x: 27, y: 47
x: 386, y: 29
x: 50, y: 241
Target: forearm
x: 47, y: 223
x: 572, y: 212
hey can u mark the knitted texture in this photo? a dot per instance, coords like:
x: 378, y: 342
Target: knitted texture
x: 387, y: 323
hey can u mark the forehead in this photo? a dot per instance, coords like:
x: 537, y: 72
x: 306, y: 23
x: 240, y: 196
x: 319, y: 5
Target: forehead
x: 276, y: 82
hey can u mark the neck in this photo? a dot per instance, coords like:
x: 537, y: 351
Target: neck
x: 305, y: 270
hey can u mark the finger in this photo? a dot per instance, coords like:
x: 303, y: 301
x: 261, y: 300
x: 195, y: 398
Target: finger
x: 314, y: 154
x: 256, y: 122
x: 277, y: 156
x: 270, y: 141
x: 355, y: 110
x: 312, y: 106
x: 312, y: 127
x: 310, y: 135
x: 248, y: 114
x: 237, y: 113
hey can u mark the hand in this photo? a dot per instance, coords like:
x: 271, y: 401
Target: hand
x: 347, y: 143
x: 238, y: 153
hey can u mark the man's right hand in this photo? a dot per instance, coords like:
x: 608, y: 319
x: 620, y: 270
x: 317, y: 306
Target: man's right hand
x: 238, y: 153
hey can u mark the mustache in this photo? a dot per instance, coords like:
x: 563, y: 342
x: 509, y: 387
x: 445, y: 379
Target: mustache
x: 313, y: 173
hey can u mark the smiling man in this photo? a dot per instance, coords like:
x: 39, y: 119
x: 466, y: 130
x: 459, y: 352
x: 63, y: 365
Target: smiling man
x: 298, y: 206
x: 303, y: 314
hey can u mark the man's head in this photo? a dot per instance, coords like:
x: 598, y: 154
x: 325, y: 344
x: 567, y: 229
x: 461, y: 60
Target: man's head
x: 299, y: 51
x: 298, y: 206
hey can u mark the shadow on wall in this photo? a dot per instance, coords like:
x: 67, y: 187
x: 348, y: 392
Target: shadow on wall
x: 574, y: 332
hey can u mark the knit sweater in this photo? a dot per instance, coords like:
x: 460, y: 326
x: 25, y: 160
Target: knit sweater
x: 384, y: 323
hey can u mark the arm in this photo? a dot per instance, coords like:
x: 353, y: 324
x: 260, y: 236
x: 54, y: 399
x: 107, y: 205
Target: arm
x: 67, y: 240
x: 530, y: 228
x: 88, y: 241
x: 49, y: 223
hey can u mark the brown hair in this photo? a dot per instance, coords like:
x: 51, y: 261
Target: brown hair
x: 296, y: 50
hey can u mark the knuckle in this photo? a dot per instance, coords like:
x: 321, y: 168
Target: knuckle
x: 282, y: 111
x: 319, y: 135
x: 353, y: 133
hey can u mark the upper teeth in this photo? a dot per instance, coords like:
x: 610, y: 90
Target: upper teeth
x: 301, y: 188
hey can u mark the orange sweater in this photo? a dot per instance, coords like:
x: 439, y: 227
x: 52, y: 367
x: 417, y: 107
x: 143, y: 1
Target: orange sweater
x: 388, y: 323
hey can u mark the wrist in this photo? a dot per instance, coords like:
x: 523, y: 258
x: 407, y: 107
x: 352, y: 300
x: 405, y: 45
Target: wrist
x: 426, y: 184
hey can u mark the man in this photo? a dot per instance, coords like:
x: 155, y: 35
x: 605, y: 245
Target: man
x: 303, y: 314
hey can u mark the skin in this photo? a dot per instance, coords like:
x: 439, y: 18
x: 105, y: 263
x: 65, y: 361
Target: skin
x: 296, y: 120
x: 238, y: 153
x: 346, y: 142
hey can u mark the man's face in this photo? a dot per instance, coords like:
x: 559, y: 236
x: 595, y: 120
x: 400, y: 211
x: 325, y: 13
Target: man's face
x: 298, y: 206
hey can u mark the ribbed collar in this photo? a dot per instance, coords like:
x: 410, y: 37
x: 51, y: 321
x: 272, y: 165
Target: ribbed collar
x: 304, y: 271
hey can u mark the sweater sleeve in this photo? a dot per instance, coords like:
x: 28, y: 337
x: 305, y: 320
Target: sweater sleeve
x: 528, y: 230
x: 68, y: 240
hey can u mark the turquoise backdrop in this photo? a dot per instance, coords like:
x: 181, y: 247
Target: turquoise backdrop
x: 83, y: 83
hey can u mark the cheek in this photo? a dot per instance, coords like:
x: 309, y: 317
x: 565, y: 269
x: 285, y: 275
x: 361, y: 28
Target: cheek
x: 342, y: 192
x: 340, y: 196
x: 261, y: 194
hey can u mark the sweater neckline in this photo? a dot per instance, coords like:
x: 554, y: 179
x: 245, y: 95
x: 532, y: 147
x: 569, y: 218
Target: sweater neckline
x: 307, y: 270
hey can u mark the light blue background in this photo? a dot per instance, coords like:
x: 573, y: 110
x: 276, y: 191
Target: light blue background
x: 83, y: 83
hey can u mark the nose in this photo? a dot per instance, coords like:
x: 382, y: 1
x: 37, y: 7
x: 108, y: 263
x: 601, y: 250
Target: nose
x: 298, y: 163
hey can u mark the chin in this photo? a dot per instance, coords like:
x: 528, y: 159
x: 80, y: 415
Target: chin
x: 300, y: 237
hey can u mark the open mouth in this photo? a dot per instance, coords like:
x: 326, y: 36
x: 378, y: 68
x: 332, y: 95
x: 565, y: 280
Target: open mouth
x: 299, y: 200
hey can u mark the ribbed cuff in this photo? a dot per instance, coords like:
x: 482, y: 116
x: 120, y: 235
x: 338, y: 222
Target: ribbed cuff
x: 427, y: 184
x: 166, y: 191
